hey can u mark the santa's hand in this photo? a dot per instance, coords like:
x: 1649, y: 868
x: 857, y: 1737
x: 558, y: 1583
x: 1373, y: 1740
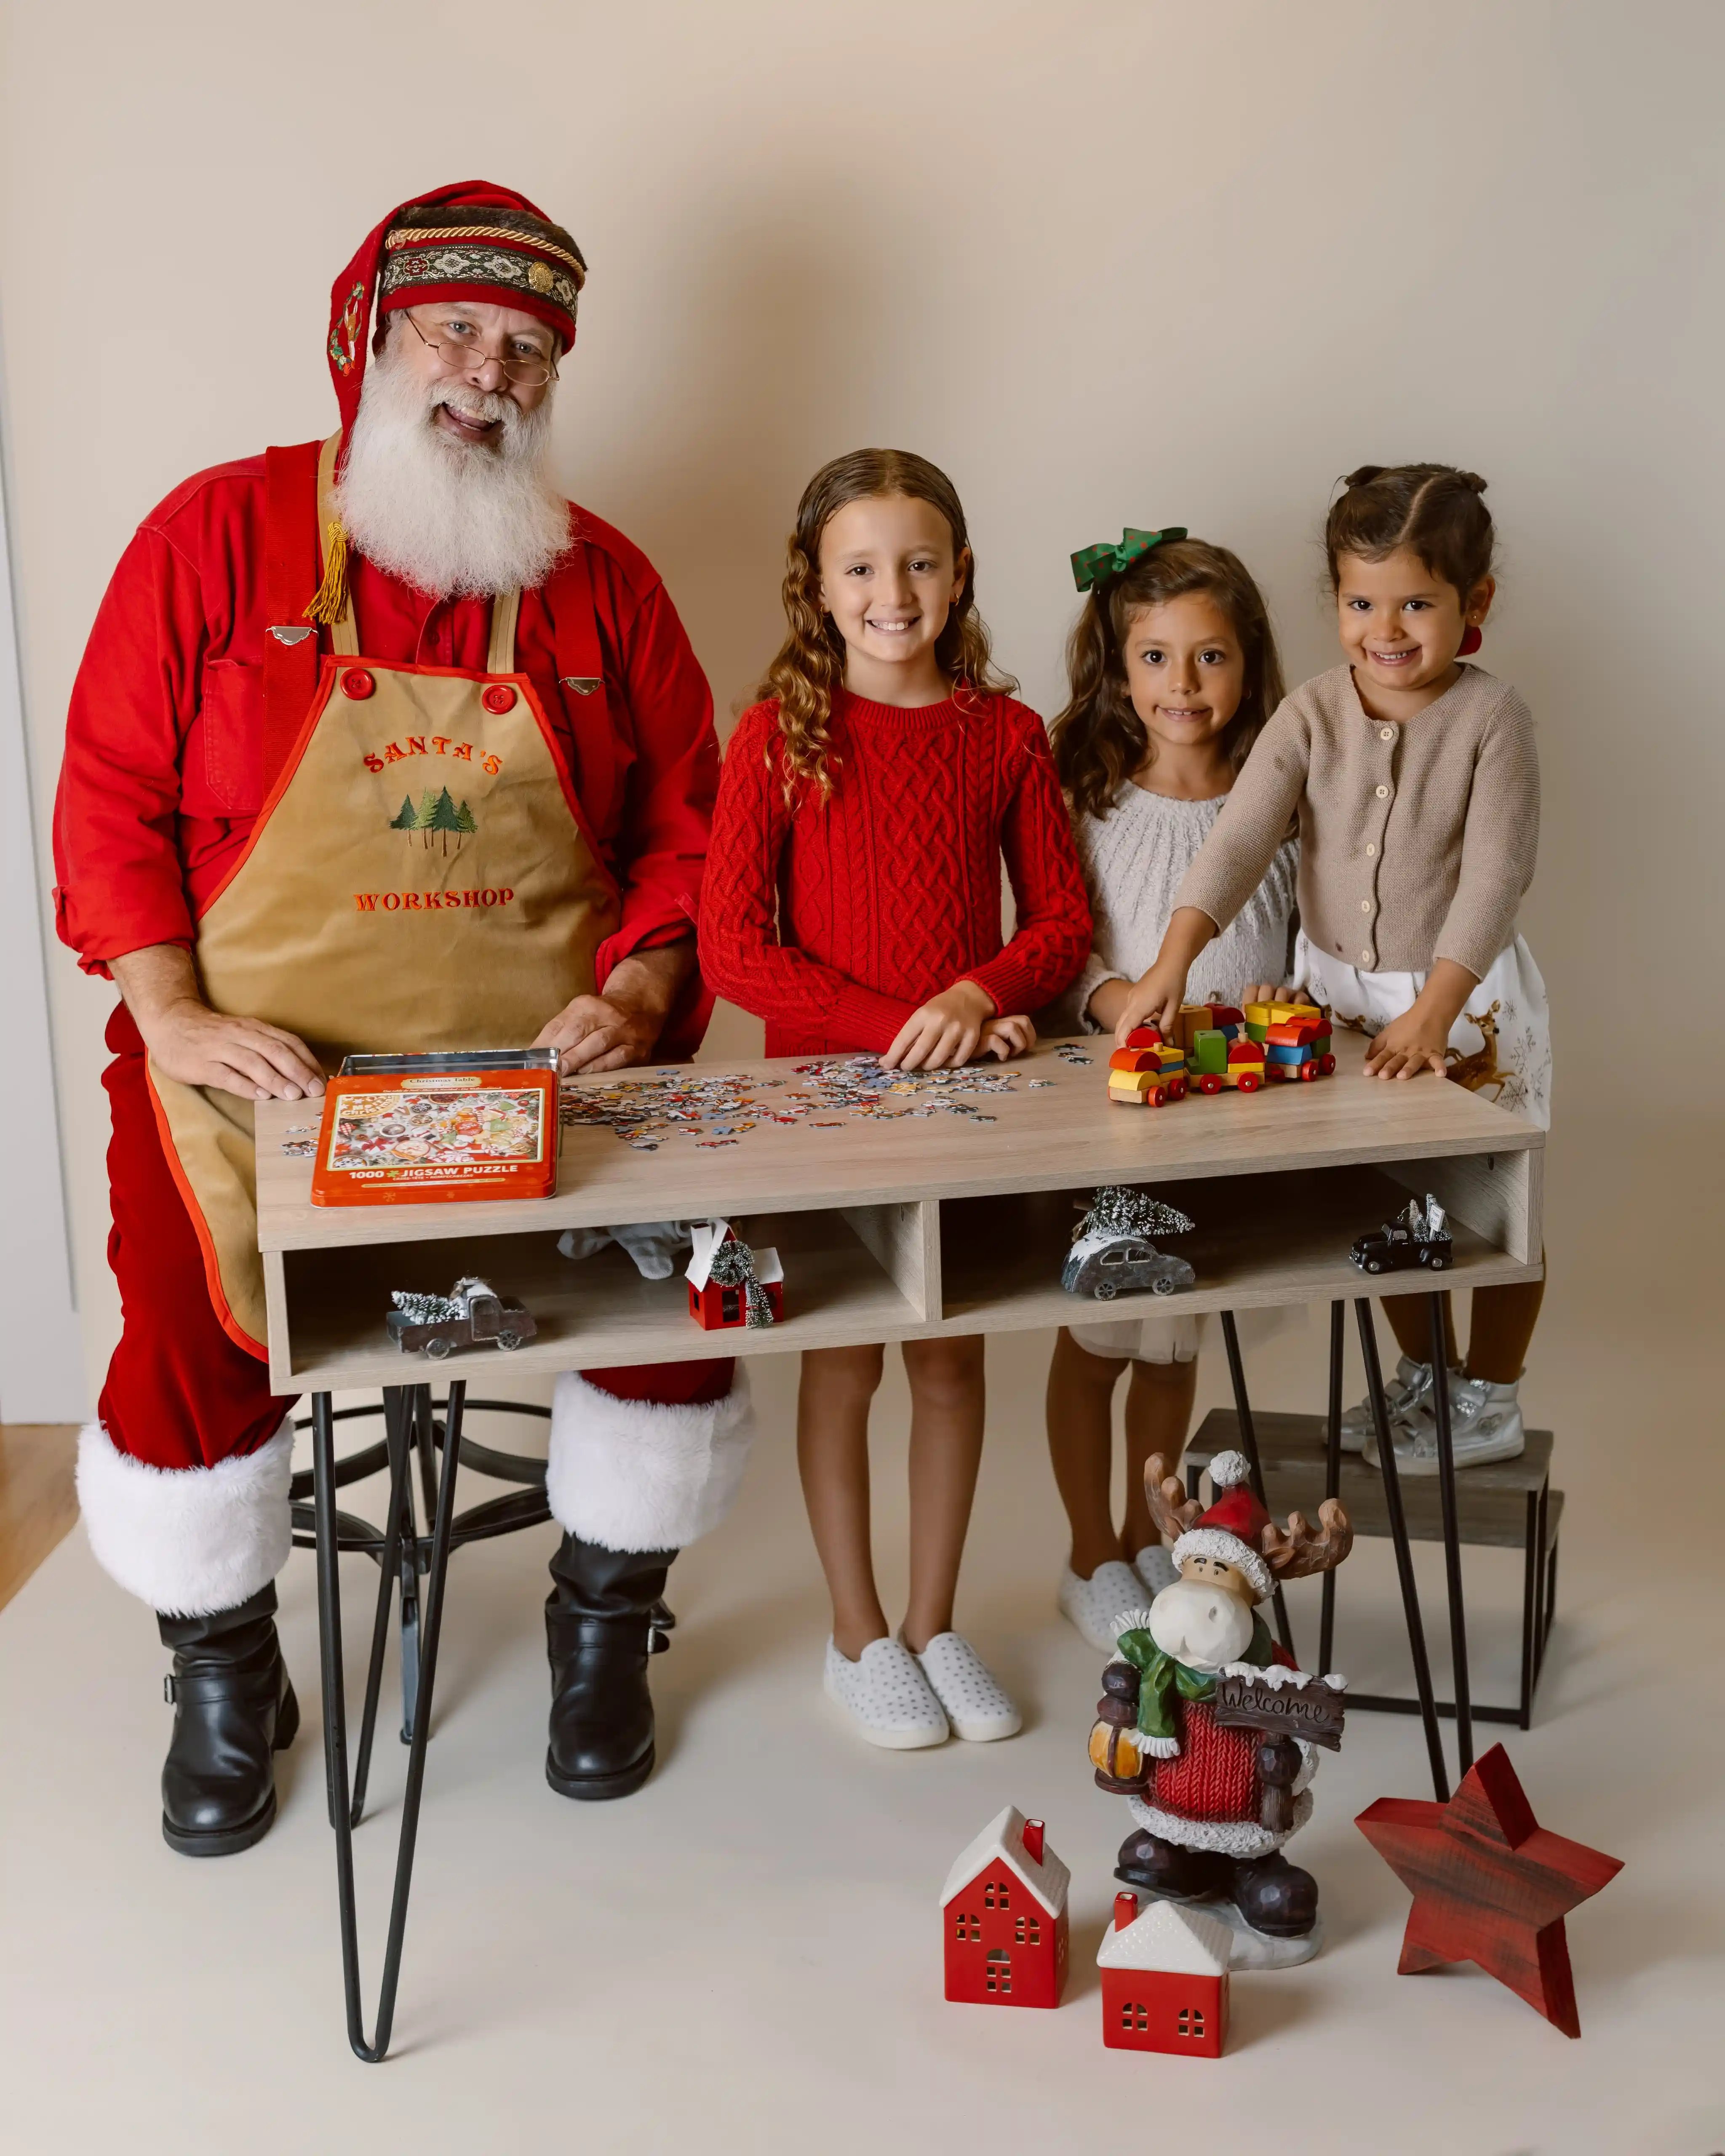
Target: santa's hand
x: 623, y: 1026
x: 200, y: 1047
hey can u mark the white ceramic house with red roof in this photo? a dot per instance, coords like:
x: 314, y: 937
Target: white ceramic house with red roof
x: 1003, y: 1914
x: 1164, y: 1980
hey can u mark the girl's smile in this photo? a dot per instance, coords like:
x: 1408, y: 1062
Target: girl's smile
x: 888, y: 577
x: 1185, y: 673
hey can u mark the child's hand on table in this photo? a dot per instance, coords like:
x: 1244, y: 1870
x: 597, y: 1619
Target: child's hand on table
x: 1416, y: 1040
x: 944, y: 1032
x: 1003, y: 1038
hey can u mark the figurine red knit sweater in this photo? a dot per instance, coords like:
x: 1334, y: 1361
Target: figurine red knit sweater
x: 834, y: 922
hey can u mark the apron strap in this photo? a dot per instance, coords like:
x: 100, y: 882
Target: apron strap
x: 505, y: 606
x: 580, y: 666
x: 344, y: 634
x: 291, y: 570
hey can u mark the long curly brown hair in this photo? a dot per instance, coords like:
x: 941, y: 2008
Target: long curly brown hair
x: 810, y: 664
x: 1099, y: 741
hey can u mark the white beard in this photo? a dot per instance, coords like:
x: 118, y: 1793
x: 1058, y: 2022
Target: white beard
x: 450, y: 517
x: 1202, y: 1626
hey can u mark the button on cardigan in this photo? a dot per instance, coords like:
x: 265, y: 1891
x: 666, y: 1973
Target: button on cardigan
x: 1417, y: 840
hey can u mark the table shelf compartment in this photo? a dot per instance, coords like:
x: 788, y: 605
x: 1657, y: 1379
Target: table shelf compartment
x: 1260, y: 1239
x: 839, y: 1288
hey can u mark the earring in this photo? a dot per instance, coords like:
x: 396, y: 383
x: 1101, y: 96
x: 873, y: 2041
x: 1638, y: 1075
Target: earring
x: 1471, y: 641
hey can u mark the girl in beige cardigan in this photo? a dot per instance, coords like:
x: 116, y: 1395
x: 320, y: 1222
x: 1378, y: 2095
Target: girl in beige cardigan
x: 1416, y: 785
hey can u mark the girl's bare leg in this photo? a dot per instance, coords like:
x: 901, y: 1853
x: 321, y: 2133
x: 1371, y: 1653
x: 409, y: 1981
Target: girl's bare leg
x: 832, y: 1459
x: 1158, y: 1414
x: 1080, y: 1448
x: 947, y: 1403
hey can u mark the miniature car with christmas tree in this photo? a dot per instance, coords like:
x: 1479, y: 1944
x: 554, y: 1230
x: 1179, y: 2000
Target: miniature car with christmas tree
x: 470, y: 1315
x: 1111, y: 1253
x: 1415, y: 1237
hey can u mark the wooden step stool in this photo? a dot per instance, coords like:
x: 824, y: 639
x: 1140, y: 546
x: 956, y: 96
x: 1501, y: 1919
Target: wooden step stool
x: 1508, y: 1504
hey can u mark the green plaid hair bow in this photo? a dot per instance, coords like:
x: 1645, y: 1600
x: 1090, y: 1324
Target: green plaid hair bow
x: 1097, y: 563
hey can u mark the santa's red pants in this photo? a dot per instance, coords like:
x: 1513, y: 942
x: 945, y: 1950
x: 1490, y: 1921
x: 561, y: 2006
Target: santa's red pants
x: 183, y: 1477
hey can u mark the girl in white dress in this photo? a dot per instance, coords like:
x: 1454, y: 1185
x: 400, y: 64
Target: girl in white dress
x: 1173, y: 671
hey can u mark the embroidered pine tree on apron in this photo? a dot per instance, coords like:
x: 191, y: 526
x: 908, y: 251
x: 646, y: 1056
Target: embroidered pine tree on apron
x: 331, y: 927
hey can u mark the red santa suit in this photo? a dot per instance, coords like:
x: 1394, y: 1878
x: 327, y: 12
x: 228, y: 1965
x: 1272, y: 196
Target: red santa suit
x: 174, y: 742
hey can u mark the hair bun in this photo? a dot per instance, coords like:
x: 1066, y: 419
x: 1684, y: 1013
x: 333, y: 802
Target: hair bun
x: 1365, y: 475
x: 1471, y: 481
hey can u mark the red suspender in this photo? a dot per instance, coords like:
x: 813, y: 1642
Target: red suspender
x: 581, y: 665
x: 292, y: 568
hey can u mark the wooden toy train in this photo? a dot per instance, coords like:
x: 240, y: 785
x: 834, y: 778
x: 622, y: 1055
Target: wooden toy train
x: 1213, y: 1045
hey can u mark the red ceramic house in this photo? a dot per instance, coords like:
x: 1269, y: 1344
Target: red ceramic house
x: 1003, y: 1917
x: 713, y: 1306
x: 1164, y: 1980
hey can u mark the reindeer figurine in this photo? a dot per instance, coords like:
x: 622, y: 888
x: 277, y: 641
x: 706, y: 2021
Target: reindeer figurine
x: 1205, y: 1726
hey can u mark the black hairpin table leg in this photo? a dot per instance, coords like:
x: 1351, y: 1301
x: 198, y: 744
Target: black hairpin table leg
x: 1249, y: 1445
x: 1332, y: 1483
x: 1404, y: 1554
x: 334, y: 1716
x: 1452, y: 1537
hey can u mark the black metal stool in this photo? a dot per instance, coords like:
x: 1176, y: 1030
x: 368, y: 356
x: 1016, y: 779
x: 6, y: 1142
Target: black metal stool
x: 415, y: 1426
x: 1426, y: 1704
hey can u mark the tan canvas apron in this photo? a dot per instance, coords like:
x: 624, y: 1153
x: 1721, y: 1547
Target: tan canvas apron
x: 418, y: 878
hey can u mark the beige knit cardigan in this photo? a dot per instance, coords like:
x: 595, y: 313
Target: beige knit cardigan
x: 1417, y: 840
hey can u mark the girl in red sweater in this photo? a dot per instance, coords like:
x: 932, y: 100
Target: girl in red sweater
x: 852, y: 899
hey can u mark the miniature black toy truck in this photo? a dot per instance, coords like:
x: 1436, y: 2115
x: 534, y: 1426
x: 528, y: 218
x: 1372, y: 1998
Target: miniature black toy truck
x: 1415, y: 1237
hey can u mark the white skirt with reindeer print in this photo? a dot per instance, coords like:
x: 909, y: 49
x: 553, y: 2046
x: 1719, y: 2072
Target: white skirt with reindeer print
x: 1500, y: 1047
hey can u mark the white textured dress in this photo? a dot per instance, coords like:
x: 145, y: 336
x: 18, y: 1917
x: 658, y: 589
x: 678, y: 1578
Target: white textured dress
x: 1134, y: 860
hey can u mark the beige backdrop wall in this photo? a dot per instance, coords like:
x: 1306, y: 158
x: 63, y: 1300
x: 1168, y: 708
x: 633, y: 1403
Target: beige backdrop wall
x: 1106, y: 264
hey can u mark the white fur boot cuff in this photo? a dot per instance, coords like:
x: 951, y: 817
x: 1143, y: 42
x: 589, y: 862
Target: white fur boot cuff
x: 187, y: 1540
x: 632, y: 1475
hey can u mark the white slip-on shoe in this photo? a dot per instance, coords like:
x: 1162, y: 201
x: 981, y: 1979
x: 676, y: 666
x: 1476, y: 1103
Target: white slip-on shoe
x: 1484, y: 1424
x: 1154, y: 1565
x: 1093, y: 1604
x: 1406, y: 1391
x: 885, y: 1696
x: 975, y: 1705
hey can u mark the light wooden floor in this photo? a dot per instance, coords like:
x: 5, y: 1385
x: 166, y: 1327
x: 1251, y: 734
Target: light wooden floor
x: 37, y: 1504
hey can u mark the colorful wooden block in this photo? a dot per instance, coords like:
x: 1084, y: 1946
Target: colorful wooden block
x: 1282, y: 1051
x: 1134, y: 1059
x: 1209, y: 1050
x: 1134, y: 1082
x: 1245, y: 1052
x: 1144, y: 1036
x: 1258, y: 1014
x: 1225, y: 1014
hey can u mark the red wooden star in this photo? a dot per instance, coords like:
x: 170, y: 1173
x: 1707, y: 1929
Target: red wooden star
x: 1489, y: 1884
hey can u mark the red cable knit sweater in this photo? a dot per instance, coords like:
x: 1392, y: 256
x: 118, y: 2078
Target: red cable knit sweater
x: 835, y: 922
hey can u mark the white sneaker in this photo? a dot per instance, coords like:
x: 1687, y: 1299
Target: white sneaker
x: 886, y: 1696
x: 1407, y: 1391
x: 1154, y: 1565
x: 1484, y: 1424
x: 975, y: 1705
x: 1093, y: 1604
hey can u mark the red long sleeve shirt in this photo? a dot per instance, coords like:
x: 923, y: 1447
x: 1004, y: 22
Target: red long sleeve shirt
x: 163, y: 772
x: 835, y: 922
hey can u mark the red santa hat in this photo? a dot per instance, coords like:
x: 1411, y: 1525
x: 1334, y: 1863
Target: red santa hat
x: 1233, y: 1528
x: 470, y: 241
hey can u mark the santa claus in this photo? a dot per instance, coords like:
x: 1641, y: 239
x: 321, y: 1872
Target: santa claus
x: 1218, y: 1789
x: 292, y: 645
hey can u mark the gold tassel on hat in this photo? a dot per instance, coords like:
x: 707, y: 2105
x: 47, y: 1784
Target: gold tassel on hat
x: 329, y: 603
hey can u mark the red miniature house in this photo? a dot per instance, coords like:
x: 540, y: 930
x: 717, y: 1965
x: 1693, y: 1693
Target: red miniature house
x: 1004, y: 1916
x: 714, y: 1304
x: 1164, y: 1980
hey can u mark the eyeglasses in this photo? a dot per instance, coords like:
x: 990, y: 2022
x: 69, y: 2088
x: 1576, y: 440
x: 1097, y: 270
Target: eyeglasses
x: 457, y: 352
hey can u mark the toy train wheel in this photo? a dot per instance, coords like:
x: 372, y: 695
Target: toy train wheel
x: 437, y: 1347
x: 507, y: 1341
x: 1326, y: 1067
x: 1158, y: 1099
x: 1308, y: 1071
x: 1250, y: 1083
x: 1177, y: 1091
x: 1209, y: 1084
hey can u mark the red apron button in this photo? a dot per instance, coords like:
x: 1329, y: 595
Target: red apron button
x: 498, y: 697
x: 356, y: 683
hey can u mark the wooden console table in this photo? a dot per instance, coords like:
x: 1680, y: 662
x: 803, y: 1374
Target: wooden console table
x: 911, y: 1228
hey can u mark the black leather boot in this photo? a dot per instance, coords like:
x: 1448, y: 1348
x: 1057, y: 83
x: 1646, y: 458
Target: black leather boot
x: 600, y: 1627
x: 1163, y: 1868
x: 1275, y: 1896
x: 234, y: 1708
